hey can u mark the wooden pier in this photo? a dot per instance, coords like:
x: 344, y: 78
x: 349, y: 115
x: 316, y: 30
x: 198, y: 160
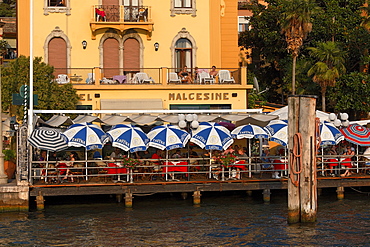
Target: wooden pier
x: 129, y: 190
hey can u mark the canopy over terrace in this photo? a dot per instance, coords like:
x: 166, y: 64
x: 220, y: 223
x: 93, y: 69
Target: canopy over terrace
x: 113, y: 117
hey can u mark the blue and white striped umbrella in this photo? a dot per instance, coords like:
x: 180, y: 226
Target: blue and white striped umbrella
x: 87, y: 135
x: 329, y: 134
x: 249, y: 131
x: 128, y: 138
x: 212, y: 136
x: 168, y: 137
x: 278, y: 130
x: 49, y: 140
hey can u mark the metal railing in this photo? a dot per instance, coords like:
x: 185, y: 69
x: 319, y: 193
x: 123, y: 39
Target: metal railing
x: 120, y: 13
x: 128, y: 76
x: 190, y: 169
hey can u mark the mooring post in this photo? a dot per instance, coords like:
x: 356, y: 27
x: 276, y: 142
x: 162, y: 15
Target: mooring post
x: 196, y: 197
x: 184, y: 195
x: 128, y: 199
x: 40, y: 201
x: 340, y: 193
x: 119, y: 198
x: 302, y: 184
x: 249, y: 192
x: 266, y: 195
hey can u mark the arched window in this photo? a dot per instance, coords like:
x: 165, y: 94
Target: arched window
x: 131, y: 54
x: 183, y: 53
x: 57, y: 54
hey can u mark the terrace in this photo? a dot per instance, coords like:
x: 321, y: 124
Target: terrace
x: 107, y: 78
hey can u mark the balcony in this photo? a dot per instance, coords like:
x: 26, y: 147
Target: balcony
x: 121, y: 18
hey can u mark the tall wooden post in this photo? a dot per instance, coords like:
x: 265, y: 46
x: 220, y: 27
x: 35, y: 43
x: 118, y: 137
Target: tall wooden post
x: 302, y: 184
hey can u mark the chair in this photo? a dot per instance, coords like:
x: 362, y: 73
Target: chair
x: 205, y: 77
x: 90, y: 78
x: 62, y: 79
x: 173, y: 77
x: 107, y: 81
x: 225, y: 77
x: 143, y: 78
x: 142, y: 15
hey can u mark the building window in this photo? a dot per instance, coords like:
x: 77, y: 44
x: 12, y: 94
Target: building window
x: 186, y: 7
x: 182, y: 3
x: 57, y: 6
x: 243, y: 23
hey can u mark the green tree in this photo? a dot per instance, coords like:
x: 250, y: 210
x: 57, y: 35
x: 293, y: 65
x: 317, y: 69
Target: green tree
x: 7, y: 8
x: 296, y: 25
x: 352, y: 94
x: 338, y: 20
x: 329, y: 66
x: 51, y: 96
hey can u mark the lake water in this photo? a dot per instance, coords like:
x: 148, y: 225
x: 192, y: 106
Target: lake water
x: 222, y: 219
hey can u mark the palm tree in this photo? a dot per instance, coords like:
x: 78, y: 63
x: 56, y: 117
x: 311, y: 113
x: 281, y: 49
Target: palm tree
x: 296, y: 24
x: 329, y: 66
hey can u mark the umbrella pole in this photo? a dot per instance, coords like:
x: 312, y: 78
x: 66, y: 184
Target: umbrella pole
x: 166, y: 164
x: 322, y: 161
x: 86, y: 162
x: 357, y: 159
x: 250, y: 157
x: 210, y: 163
x: 46, y: 166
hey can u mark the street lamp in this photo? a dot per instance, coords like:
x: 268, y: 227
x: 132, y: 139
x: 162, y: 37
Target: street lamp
x: 340, y: 120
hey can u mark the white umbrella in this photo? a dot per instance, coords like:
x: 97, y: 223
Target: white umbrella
x: 128, y: 137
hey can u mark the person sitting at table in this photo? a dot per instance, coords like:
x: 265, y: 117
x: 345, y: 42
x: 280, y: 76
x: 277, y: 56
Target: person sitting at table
x: 116, y: 154
x: 157, y: 156
x: 213, y: 73
x: 177, y: 154
x: 347, y: 162
x: 69, y: 163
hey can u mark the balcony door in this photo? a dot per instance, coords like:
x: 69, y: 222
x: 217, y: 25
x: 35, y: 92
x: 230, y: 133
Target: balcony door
x: 131, y: 56
x: 111, y: 8
x: 58, y: 55
x: 110, y: 58
x: 131, y: 10
x: 183, y: 53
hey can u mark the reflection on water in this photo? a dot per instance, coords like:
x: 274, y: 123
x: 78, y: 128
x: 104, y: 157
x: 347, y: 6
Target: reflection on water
x: 223, y: 219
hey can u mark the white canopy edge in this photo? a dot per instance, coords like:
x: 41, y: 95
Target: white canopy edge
x: 148, y: 111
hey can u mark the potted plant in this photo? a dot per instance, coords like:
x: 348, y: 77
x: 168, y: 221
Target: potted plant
x: 9, y: 162
x: 226, y: 160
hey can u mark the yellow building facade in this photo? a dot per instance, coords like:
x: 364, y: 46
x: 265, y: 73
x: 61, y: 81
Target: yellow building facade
x: 101, y: 46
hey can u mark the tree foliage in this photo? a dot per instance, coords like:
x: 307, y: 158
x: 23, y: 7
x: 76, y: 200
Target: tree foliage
x: 352, y: 94
x: 7, y: 8
x: 51, y: 96
x: 329, y: 65
x: 339, y: 21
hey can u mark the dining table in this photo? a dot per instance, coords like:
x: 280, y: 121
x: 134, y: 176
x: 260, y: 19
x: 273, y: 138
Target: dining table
x: 120, y: 78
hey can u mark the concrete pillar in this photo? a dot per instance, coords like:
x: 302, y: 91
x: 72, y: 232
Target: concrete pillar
x: 196, y: 197
x: 40, y: 201
x: 266, y: 195
x: 340, y: 193
x: 128, y: 199
x: 184, y: 195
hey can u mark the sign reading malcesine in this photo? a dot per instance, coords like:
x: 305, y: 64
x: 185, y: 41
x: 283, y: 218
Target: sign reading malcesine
x: 198, y: 96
